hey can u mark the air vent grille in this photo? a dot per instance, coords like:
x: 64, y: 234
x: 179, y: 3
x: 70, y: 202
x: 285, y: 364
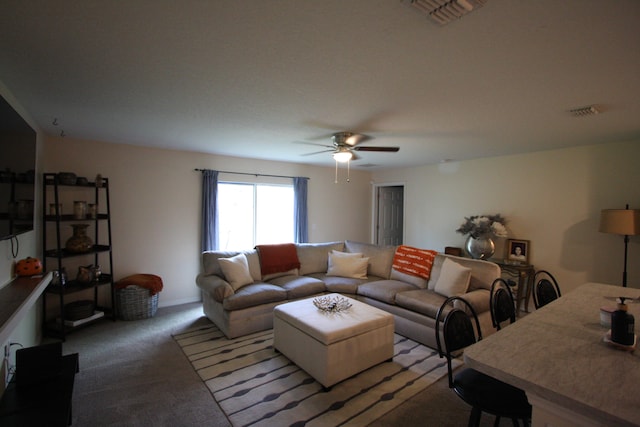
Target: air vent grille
x: 445, y: 11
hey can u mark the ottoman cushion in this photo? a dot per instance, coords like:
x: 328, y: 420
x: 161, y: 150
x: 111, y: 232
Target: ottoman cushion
x: 328, y: 327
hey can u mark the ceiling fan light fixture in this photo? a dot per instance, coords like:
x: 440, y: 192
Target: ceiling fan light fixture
x: 342, y: 156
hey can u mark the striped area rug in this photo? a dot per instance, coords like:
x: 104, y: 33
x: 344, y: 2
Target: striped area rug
x: 257, y: 386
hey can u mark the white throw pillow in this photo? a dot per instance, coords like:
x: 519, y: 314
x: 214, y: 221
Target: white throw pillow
x: 236, y: 271
x: 454, y: 279
x: 352, y: 267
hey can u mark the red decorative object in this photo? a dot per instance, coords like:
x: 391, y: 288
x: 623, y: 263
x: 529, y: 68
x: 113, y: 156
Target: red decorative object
x: 29, y: 267
x: 148, y: 281
x: 414, y: 261
x: 277, y: 258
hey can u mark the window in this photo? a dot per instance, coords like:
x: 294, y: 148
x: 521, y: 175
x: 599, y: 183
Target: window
x: 254, y: 214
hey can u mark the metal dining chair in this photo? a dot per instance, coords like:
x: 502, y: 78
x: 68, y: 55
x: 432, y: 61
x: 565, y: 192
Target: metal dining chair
x: 501, y: 304
x: 460, y: 329
x: 545, y: 288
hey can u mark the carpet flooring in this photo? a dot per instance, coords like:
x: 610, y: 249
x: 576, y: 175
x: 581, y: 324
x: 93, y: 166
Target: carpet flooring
x: 256, y: 386
x: 133, y: 373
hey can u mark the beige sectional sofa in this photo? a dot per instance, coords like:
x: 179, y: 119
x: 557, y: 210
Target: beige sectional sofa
x: 413, y: 301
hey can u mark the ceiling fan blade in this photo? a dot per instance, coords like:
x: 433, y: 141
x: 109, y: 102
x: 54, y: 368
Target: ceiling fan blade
x: 381, y: 149
x: 357, y: 138
x: 318, y: 152
x: 313, y: 143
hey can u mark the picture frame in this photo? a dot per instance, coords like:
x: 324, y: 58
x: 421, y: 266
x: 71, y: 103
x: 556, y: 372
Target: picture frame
x: 518, y: 251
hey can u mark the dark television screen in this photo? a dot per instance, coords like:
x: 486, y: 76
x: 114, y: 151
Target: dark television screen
x: 17, y: 172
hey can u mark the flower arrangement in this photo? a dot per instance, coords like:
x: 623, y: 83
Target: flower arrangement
x: 478, y: 225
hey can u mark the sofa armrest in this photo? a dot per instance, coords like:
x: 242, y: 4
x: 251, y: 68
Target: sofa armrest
x: 216, y: 286
x: 478, y: 298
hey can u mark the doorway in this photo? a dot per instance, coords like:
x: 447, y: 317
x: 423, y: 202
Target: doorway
x: 389, y: 214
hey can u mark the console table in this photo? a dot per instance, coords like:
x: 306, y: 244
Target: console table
x: 524, y: 273
x: 557, y: 355
x: 16, y: 299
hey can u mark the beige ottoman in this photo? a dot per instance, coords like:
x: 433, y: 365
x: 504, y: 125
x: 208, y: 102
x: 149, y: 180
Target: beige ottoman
x: 333, y: 346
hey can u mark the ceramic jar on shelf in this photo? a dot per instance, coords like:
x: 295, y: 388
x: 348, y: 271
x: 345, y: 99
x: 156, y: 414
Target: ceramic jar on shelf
x: 79, y: 209
x: 79, y: 242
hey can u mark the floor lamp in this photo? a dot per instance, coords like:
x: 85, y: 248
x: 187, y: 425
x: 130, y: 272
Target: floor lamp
x: 625, y: 222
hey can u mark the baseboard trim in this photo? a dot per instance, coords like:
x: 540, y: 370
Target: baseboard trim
x: 171, y: 303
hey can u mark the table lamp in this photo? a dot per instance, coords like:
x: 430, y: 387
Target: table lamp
x: 625, y: 222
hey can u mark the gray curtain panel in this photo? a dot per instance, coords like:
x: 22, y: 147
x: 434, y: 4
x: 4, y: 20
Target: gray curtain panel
x: 209, y: 210
x: 301, y: 234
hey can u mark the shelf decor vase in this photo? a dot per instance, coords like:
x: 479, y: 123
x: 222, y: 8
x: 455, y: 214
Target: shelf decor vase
x: 79, y: 242
x: 481, y: 247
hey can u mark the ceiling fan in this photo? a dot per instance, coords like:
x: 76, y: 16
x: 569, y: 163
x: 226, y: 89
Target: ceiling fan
x: 345, y: 143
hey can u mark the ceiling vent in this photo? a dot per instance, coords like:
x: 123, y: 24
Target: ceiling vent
x: 589, y: 110
x: 445, y: 11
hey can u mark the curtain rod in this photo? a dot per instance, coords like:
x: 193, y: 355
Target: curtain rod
x: 254, y: 174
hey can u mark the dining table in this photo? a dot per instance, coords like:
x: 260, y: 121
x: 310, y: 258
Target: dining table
x: 560, y: 355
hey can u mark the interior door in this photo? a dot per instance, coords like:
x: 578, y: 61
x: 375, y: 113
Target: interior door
x: 390, y: 214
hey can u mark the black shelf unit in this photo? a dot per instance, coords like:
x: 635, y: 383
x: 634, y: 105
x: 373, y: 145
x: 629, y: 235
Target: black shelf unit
x: 56, y: 257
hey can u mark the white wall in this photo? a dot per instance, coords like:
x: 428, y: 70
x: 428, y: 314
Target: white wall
x: 551, y: 198
x: 156, y: 208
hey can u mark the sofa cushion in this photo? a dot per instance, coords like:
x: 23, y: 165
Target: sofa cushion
x: 236, y: 271
x: 342, y: 285
x: 384, y: 290
x: 421, y: 301
x: 453, y: 279
x: 314, y: 256
x: 419, y: 282
x: 270, y: 277
x: 299, y: 286
x: 341, y: 254
x: 483, y: 273
x: 254, y: 294
x: 210, y: 264
x: 348, y: 266
x: 380, y: 257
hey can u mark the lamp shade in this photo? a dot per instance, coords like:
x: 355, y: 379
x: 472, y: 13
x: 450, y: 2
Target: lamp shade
x: 620, y: 221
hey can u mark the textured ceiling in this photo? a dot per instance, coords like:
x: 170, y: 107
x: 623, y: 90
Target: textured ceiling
x: 250, y: 78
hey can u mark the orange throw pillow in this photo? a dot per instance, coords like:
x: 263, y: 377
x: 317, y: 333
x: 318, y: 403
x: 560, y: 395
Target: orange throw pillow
x: 414, y: 261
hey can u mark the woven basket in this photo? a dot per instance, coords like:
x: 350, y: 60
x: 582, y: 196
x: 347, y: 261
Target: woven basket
x: 135, y: 303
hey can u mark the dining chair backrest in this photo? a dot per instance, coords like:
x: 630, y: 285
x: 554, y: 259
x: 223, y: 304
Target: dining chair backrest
x: 460, y: 329
x: 545, y: 288
x: 501, y: 303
